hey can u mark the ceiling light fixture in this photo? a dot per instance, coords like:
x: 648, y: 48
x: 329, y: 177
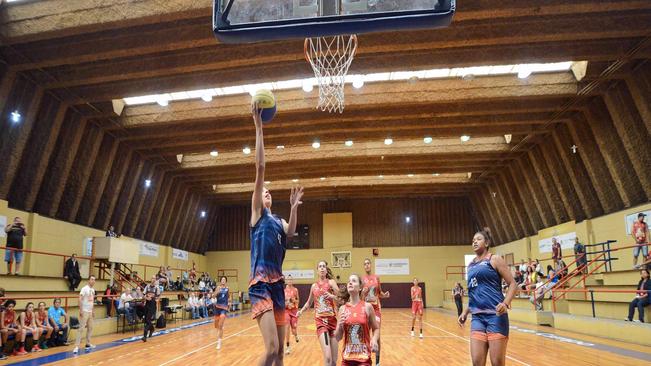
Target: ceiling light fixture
x: 349, y: 143
x: 427, y: 140
x: 358, y: 82
x: 465, y: 138
x: 316, y: 144
x: 246, y: 150
x: 388, y: 141
x: 15, y: 116
x: 295, y: 180
x: 214, y: 153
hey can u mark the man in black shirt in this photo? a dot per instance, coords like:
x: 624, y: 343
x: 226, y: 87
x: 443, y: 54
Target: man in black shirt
x: 71, y: 272
x: 15, y: 233
x: 150, y: 315
x: 111, y: 233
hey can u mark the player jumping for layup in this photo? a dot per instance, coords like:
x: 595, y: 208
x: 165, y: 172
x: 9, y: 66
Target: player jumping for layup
x: 268, y: 244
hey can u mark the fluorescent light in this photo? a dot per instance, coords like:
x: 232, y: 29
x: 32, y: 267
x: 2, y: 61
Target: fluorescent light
x: 203, y: 213
x: 316, y: 144
x: 280, y: 147
x: 206, y: 98
x: 307, y: 85
x: 246, y: 150
x: 522, y: 70
x: 410, y: 175
x: 436, y: 174
x: 214, y: 153
x: 15, y: 116
x: 322, y: 178
x: 147, y: 183
x: 465, y: 138
x: 267, y: 182
x: 407, y: 219
x: 388, y: 141
x: 349, y: 143
x: 380, y: 176
x: 162, y: 101
x: 294, y: 180
x: 358, y: 82
x: 427, y: 140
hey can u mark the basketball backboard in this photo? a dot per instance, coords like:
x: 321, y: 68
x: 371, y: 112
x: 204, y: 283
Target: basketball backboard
x: 243, y: 21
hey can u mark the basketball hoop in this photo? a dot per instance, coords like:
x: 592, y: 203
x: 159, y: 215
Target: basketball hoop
x: 330, y: 58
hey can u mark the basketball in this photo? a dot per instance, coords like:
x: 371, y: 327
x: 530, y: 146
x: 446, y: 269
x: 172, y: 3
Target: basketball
x: 266, y: 100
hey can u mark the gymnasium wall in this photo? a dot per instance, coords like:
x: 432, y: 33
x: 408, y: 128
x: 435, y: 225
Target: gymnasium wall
x: 56, y: 236
x: 589, y: 231
x: 426, y: 263
x: 376, y: 222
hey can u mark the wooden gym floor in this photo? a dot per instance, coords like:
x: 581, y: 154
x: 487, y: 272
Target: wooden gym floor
x: 444, y: 344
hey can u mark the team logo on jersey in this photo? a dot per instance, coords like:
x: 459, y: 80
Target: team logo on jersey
x: 473, y: 282
x: 356, y: 348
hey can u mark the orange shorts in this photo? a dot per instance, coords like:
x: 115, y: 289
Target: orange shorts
x: 326, y: 325
x: 417, y: 307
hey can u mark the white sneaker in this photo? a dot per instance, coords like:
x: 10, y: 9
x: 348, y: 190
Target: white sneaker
x: 636, y: 321
x: 90, y: 346
x: 412, y: 333
x: 287, y: 350
x: 219, y: 344
x: 76, y: 350
x: 421, y: 336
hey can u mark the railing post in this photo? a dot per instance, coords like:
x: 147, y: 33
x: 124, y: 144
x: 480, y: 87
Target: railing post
x: 592, y: 302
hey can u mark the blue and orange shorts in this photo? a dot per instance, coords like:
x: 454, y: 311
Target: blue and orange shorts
x: 489, y: 327
x: 268, y: 297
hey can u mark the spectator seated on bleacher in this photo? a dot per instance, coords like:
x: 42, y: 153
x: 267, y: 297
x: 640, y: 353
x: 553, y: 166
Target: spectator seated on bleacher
x: 177, y: 285
x: 192, y: 305
x: 203, y: 310
x: 28, y: 324
x: 161, y: 277
x: 641, y: 297
x: 538, y: 294
x: 71, y: 272
x: 125, y: 306
x: 109, y: 300
x: 60, y: 334
x: 43, y: 321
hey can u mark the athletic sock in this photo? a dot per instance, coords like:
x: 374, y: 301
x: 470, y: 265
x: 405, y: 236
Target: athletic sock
x: 377, y: 358
x: 421, y: 331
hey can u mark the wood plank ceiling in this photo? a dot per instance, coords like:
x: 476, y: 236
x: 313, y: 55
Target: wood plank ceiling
x: 62, y: 62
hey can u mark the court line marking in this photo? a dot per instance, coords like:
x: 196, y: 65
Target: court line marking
x: 206, y: 346
x: 465, y: 339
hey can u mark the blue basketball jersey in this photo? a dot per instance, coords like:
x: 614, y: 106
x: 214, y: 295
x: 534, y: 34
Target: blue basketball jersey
x: 268, y: 245
x: 222, y: 297
x: 484, y: 287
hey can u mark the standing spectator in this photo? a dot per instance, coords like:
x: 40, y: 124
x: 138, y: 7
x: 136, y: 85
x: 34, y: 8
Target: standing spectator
x: 557, y: 252
x: 203, y: 310
x: 125, y: 306
x: 71, y: 272
x: 641, y: 297
x: 458, y: 293
x: 55, y: 313
x: 150, y: 315
x: 639, y: 232
x: 193, y: 275
x: 580, y: 255
x: 186, y: 280
x: 561, y: 269
x: 154, y: 287
x: 168, y: 272
x: 86, y: 301
x: 9, y: 325
x: 29, y: 325
x: 14, y: 252
x: 111, y: 232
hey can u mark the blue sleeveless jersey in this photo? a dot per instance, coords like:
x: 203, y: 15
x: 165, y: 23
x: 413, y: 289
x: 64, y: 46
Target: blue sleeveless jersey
x: 484, y: 287
x: 268, y: 245
x: 222, y: 298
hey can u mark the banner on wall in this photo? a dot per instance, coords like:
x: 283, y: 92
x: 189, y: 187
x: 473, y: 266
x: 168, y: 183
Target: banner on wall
x: 628, y: 220
x: 392, y: 266
x: 3, y: 223
x: 566, y: 240
x: 148, y: 249
x: 88, y: 247
x: 299, y: 274
x: 179, y: 254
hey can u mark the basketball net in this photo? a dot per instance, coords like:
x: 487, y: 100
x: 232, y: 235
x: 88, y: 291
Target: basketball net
x: 330, y: 58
